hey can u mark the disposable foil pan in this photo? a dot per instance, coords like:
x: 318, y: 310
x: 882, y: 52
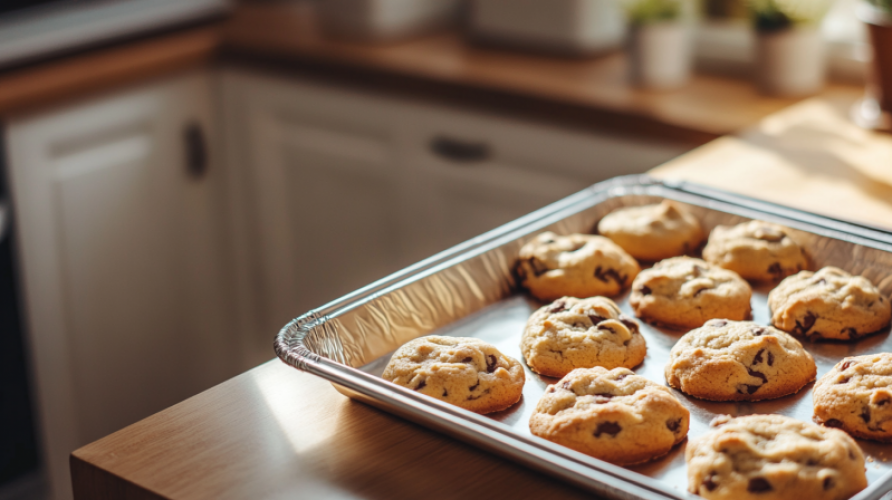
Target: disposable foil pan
x: 469, y: 290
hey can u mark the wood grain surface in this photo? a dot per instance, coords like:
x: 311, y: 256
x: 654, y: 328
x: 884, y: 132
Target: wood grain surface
x: 34, y: 87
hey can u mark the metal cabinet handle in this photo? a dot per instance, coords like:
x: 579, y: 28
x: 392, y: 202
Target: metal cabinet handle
x: 4, y: 218
x: 196, y: 150
x: 460, y: 151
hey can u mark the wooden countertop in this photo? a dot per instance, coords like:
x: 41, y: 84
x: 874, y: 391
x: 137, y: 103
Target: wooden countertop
x: 274, y: 432
x: 588, y: 92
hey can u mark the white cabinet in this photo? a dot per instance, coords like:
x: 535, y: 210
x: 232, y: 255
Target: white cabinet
x: 124, y: 264
x: 336, y: 187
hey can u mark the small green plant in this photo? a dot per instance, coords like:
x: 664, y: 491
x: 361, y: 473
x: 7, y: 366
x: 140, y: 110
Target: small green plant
x: 884, y: 5
x: 774, y: 15
x: 652, y: 11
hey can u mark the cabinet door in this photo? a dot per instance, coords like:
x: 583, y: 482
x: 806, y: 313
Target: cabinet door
x: 479, y: 171
x: 321, y: 168
x: 123, y: 274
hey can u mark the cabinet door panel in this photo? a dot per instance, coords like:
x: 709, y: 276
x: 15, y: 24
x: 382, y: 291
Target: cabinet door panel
x: 124, y: 271
x: 324, y: 203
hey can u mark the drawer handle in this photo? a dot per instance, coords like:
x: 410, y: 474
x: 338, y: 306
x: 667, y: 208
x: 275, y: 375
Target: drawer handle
x: 196, y: 150
x: 460, y: 151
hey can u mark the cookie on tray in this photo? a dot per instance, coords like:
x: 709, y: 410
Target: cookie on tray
x: 829, y: 304
x: 687, y: 292
x: 856, y: 396
x: 613, y: 415
x: 738, y: 361
x: 466, y: 372
x: 653, y: 232
x: 577, y: 265
x: 772, y: 457
x: 581, y: 333
x: 756, y: 250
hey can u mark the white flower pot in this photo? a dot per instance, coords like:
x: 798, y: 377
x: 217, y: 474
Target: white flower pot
x: 660, y: 55
x: 790, y: 63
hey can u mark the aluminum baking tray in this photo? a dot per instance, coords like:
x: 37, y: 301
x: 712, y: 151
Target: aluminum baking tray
x: 469, y: 290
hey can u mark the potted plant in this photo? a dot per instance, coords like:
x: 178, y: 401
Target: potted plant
x: 875, y: 110
x: 789, y: 58
x: 659, y: 44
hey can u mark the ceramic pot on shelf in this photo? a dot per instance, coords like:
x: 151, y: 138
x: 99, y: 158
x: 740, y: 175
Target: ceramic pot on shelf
x: 875, y: 110
x: 660, y: 55
x: 790, y: 62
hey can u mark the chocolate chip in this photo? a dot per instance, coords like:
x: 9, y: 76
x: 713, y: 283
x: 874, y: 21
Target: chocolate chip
x: 539, y: 267
x: 758, y: 358
x: 422, y: 385
x: 475, y: 386
x: 558, y: 306
x: 491, y: 363
x: 611, y: 428
x: 851, y: 332
x: 758, y: 485
x: 776, y: 270
x: 828, y: 483
x: 757, y: 375
x: 882, y: 402
x: 770, y: 359
x: 759, y: 331
x: 865, y: 414
x: 673, y: 425
x: 605, y: 327
x: 608, y: 274
x: 698, y: 292
x: 718, y: 323
x: 709, y: 484
x: 845, y: 365
x: 467, y: 360
x: 833, y: 423
x: 844, y: 380
x: 595, y: 319
x: 808, y: 321
x: 644, y: 290
x: 445, y: 393
x: 630, y: 323
x: 750, y: 389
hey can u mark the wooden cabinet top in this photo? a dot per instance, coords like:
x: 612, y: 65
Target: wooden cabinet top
x: 585, y: 92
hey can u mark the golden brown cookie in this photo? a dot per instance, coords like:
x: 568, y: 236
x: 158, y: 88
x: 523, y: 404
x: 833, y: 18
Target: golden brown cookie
x: 756, y: 250
x: 653, y: 232
x: 738, y: 361
x: 577, y: 265
x: 856, y: 396
x: 466, y: 372
x: 581, y: 333
x: 613, y: 415
x: 687, y: 292
x: 829, y: 304
x: 772, y: 457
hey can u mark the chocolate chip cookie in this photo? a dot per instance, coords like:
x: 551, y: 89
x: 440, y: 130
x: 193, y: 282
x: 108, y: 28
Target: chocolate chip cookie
x: 856, y: 396
x: 613, y: 415
x: 738, y: 361
x: 772, y: 457
x: 466, y: 372
x: 581, y: 333
x: 687, y: 292
x: 829, y: 304
x: 756, y: 250
x: 653, y: 232
x: 578, y: 265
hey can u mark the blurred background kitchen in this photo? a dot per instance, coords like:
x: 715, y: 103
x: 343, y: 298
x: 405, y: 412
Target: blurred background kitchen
x: 182, y: 177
